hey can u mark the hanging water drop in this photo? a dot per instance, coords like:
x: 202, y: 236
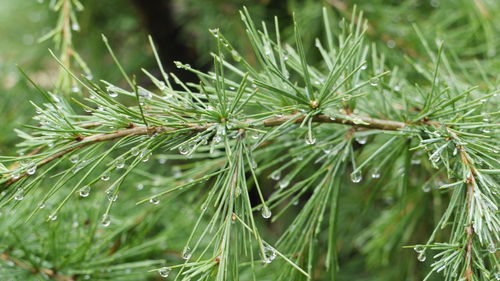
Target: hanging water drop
x: 134, y: 151
x: 266, y: 212
x: 356, y: 177
x: 74, y: 158
x: 374, y: 81
x: 139, y: 186
x: 421, y: 257
x: 426, y: 188
x: 120, y: 163
x: 269, y: 254
x: 112, y: 197
x: 491, y: 248
x: 376, y: 173
x: 19, y: 195
x: 75, y: 89
x: 105, y: 177
x: 84, y: 191
x: 31, y: 169
x: 145, y: 156
x: 53, y: 217
x: 106, y: 220
x: 185, y: 149
x: 418, y: 249
x: 112, y: 91
x: 284, y: 183
x: 186, y: 253
x: 164, y: 272
x: 75, y: 26
x: 310, y: 140
x: 361, y: 140
x: 154, y: 201
x: 276, y: 175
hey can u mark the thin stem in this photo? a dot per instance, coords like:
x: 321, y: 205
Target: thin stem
x: 366, y: 122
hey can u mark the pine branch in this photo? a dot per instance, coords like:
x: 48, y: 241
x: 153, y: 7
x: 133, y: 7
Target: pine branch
x: 48, y: 272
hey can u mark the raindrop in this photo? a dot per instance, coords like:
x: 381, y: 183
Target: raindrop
x: 134, y: 151
x: 419, y: 249
x: 75, y: 89
x: 391, y: 44
x: 426, y: 188
x: 361, y: 140
x: 112, y: 197
x: 276, y: 175
x: 84, y: 191
x: 374, y: 81
x: 139, y: 186
x: 376, y: 173
x: 310, y: 140
x: 162, y: 160
x: 75, y: 26
x: 421, y: 257
x: 106, y: 220
x: 53, y: 217
x: 154, y: 201
x: 164, y: 272
x: 284, y: 183
x: 185, y: 149
x: 19, y: 195
x: 74, y: 158
x: 112, y: 91
x: 105, y: 177
x: 356, y: 177
x: 270, y: 254
x: 145, y: 156
x: 491, y: 248
x: 120, y: 163
x: 186, y: 253
x: 236, y: 56
x: 364, y: 66
x: 31, y: 169
x: 266, y: 212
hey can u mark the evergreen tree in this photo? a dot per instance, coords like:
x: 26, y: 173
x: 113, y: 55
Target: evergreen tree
x: 317, y: 148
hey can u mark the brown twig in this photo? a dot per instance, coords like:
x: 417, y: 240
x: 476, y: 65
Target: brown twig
x: 367, y: 122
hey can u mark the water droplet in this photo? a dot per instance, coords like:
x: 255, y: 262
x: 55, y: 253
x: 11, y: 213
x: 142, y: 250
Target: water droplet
x: 276, y: 175
x: 422, y: 257
x: 269, y: 254
x: 146, y: 155
x: 139, y: 186
x: 426, y: 188
x: 419, y: 249
x: 144, y: 93
x: 112, y: 91
x: 19, y: 195
x: 185, y: 149
x: 106, y: 220
x: 162, y: 160
x: 391, y: 44
x: 356, y: 177
x: 75, y: 89
x: 374, y: 81
x: 105, y: 177
x: 361, y: 140
x: 74, y: 158
x: 310, y: 140
x: 164, y: 271
x: 135, y: 151
x: 154, y: 201
x: 186, y: 253
x: 491, y: 248
x: 53, y: 217
x: 236, y: 56
x: 364, y: 66
x: 266, y: 212
x: 75, y: 26
x: 112, y: 197
x: 376, y: 173
x: 84, y: 191
x: 284, y: 182
x: 31, y: 169
x: 120, y: 163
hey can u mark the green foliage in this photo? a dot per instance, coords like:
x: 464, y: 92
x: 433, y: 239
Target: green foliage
x: 297, y: 159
